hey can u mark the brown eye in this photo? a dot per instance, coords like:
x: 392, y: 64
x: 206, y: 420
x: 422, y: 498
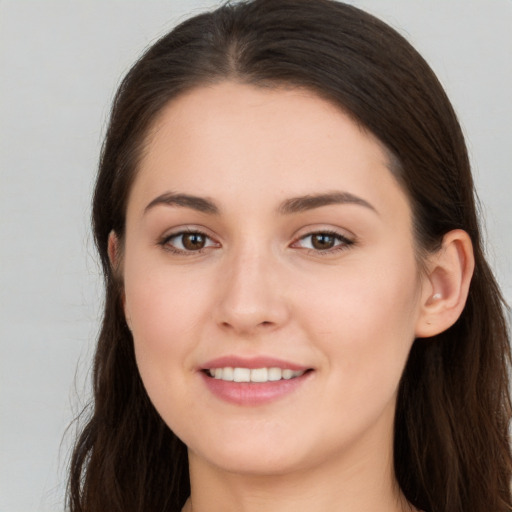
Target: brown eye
x: 193, y: 241
x: 188, y: 242
x: 323, y: 241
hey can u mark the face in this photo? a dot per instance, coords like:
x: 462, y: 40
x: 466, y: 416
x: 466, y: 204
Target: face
x: 270, y: 279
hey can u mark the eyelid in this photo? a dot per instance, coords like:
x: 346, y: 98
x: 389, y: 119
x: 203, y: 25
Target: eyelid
x: 345, y: 241
x: 165, y: 239
x: 315, y: 228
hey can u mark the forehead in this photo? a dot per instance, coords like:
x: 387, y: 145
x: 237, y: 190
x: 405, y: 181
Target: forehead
x: 235, y: 140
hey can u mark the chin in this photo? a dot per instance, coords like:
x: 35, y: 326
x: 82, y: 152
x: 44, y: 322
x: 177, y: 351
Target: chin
x: 257, y: 457
x: 256, y: 464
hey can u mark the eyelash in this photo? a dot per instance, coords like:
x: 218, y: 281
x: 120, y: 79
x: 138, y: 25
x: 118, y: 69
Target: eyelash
x: 165, y: 242
x: 343, y: 245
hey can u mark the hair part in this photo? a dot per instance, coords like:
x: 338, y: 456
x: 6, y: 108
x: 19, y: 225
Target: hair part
x: 451, y: 448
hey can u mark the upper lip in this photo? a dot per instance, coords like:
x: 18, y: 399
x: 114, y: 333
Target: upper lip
x: 252, y: 363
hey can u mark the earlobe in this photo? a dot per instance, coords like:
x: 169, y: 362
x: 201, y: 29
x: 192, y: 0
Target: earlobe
x: 449, y: 275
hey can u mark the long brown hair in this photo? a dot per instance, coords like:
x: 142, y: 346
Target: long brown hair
x: 451, y: 447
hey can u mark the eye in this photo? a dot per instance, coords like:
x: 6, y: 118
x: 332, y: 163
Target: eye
x: 188, y: 241
x: 323, y: 241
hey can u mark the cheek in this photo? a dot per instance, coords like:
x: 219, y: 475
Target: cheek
x: 162, y: 311
x: 364, y: 318
x: 365, y: 294
x: 163, y: 317
x: 363, y: 324
x: 164, y: 321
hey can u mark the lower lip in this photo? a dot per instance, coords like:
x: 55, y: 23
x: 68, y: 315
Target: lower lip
x: 253, y: 393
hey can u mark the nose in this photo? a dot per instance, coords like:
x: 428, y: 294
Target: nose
x: 252, y: 295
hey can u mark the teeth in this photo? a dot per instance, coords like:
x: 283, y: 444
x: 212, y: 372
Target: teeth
x: 254, y: 375
x: 274, y: 374
x: 287, y: 374
x: 241, y: 374
x: 227, y: 374
x: 259, y: 375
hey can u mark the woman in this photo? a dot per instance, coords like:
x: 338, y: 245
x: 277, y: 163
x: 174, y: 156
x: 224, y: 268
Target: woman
x: 298, y: 310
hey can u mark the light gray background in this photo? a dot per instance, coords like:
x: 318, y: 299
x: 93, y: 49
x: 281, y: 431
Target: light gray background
x: 59, y: 65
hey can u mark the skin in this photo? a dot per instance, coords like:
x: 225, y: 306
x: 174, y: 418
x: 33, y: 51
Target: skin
x: 260, y: 287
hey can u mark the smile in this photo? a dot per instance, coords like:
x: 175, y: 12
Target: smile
x: 259, y: 375
x: 253, y: 381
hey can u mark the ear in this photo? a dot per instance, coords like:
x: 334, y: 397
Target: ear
x: 114, y: 255
x: 113, y: 250
x: 446, y: 285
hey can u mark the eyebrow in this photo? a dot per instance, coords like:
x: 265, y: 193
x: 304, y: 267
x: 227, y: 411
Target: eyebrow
x: 289, y: 206
x: 309, y: 202
x: 200, y: 204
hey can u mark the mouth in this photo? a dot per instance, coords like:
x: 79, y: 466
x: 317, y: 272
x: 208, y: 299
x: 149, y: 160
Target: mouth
x: 256, y: 375
x: 256, y: 381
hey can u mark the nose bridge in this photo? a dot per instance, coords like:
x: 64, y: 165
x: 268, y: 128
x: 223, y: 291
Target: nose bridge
x: 251, y: 292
